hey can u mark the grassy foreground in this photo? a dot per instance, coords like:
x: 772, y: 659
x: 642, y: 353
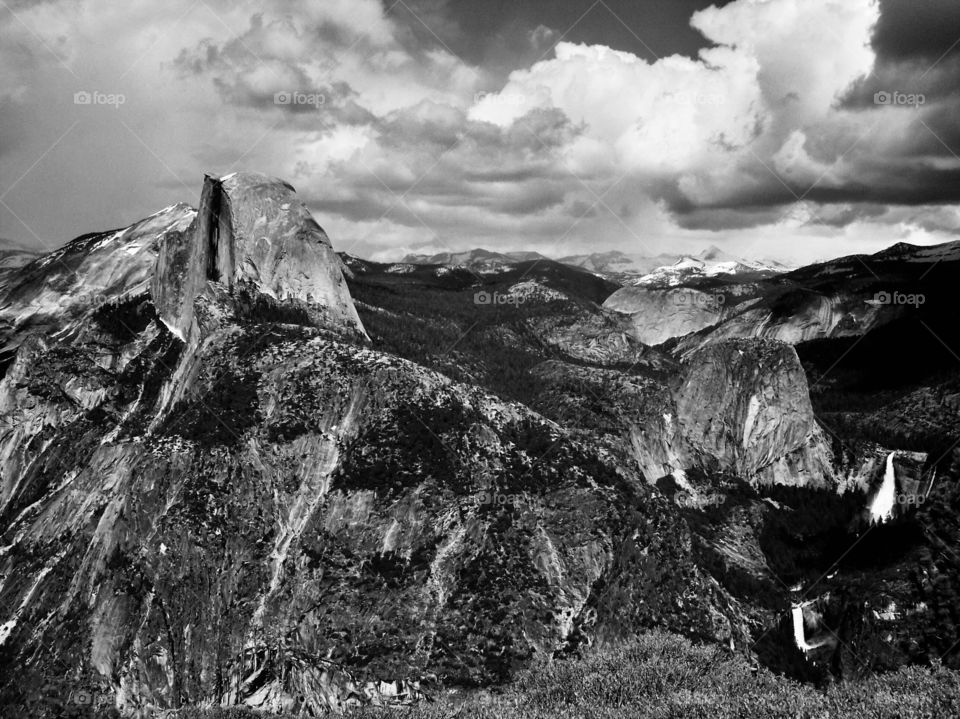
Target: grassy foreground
x: 663, y: 675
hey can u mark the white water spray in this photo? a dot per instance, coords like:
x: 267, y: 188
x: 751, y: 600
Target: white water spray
x: 881, y: 508
x: 799, y: 634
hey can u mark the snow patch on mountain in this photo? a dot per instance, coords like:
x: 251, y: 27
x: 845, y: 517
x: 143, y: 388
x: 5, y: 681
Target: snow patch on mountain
x: 709, y: 263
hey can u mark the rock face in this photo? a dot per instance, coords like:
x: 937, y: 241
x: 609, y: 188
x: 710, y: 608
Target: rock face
x: 659, y: 315
x: 745, y: 403
x: 214, y: 491
x: 743, y: 407
x: 62, y: 290
x: 845, y: 297
x: 253, y: 236
x: 799, y: 317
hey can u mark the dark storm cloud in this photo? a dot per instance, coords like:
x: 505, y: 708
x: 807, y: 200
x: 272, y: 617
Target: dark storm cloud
x: 845, y: 214
x: 917, y: 29
x: 917, y: 43
x: 912, y: 186
x: 912, y: 183
x: 836, y: 216
x: 523, y: 31
x: 725, y: 218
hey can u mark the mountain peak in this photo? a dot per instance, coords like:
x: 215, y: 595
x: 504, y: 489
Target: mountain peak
x: 254, y: 237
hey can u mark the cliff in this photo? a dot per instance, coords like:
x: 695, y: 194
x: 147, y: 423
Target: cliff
x: 741, y: 407
x: 657, y: 315
x: 256, y: 239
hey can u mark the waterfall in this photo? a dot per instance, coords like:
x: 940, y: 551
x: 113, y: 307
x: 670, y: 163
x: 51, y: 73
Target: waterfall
x: 881, y: 507
x: 798, y: 633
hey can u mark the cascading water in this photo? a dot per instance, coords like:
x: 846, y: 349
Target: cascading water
x: 881, y: 507
x: 798, y: 634
x: 881, y: 510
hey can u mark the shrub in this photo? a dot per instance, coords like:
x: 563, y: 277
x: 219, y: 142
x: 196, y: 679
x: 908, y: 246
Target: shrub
x: 663, y: 675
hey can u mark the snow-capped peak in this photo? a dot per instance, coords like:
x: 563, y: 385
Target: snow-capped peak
x: 712, y: 262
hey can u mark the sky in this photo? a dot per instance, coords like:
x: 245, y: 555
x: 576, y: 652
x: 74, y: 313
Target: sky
x: 792, y: 130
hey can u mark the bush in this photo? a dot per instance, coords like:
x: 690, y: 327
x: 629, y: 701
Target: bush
x: 663, y: 675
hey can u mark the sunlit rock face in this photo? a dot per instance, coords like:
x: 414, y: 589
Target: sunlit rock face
x: 276, y: 248
x: 796, y: 317
x: 657, y: 315
x: 746, y: 403
x: 741, y: 407
x: 59, y: 292
x: 253, y: 236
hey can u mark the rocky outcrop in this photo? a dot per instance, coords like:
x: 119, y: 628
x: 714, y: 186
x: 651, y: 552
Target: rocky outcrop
x: 59, y: 292
x: 699, y: 317
x: 746, y: 404
x: 845, y: 297
x: 594, y: 335
x: 179, y: 276
x: 253, y: 236
x: 657, y: 315
x: 798, y: 317
x: 740, y: 407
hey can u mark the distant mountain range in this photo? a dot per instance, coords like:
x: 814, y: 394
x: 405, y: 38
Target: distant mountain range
x: 695, y: 302
x: 614, y: 262
x: 665, y: 269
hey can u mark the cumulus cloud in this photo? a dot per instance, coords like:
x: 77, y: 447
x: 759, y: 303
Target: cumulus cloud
x: 709, y: 125
x: 770, y: 136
